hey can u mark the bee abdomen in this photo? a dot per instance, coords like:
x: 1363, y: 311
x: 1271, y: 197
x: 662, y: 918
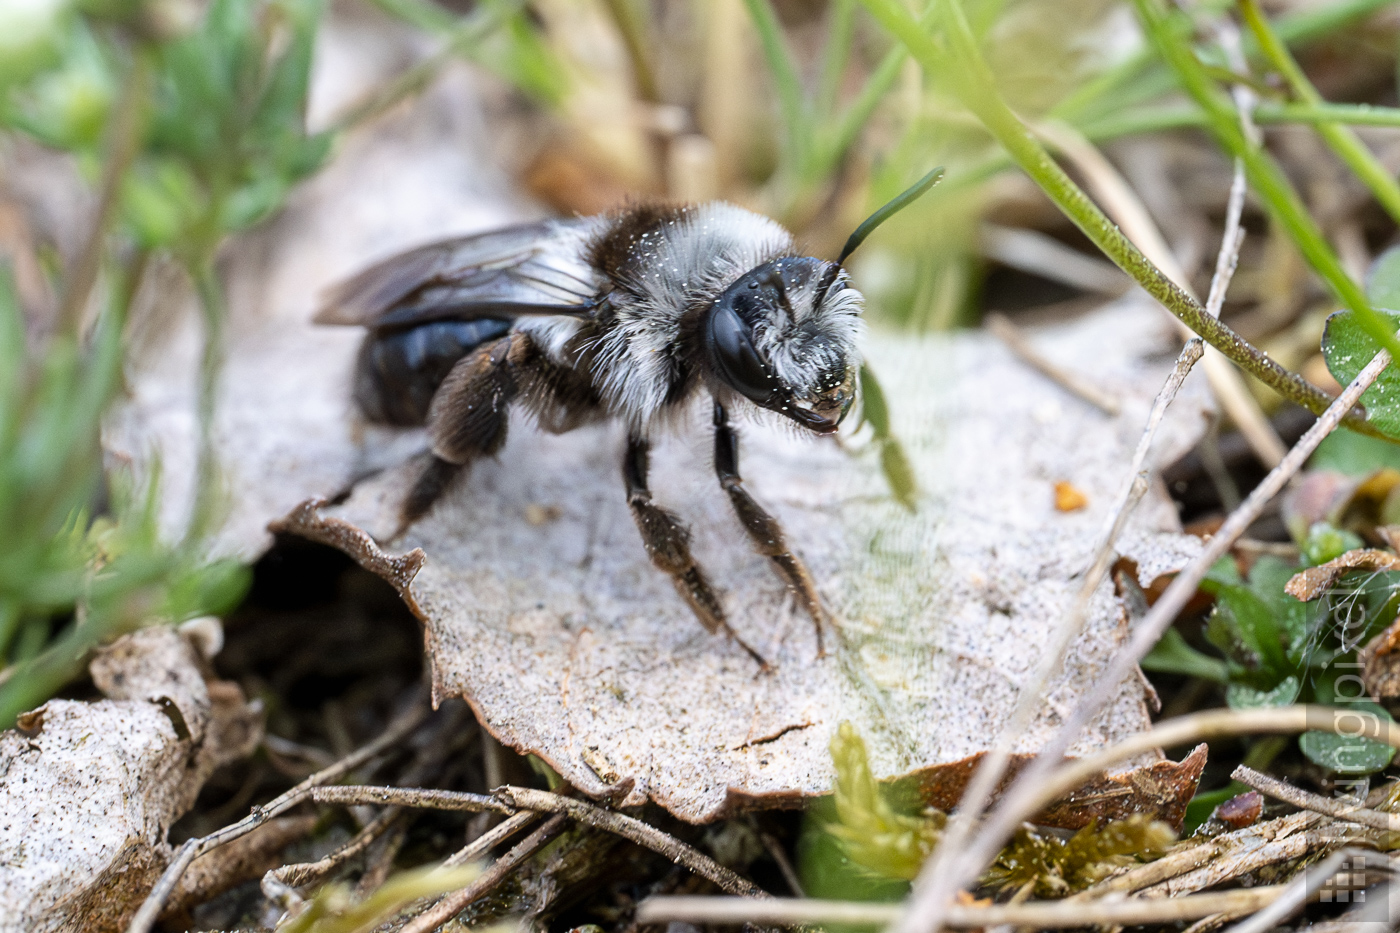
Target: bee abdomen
x: 398, y: 371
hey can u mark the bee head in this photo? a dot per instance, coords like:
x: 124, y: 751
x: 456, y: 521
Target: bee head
x: 784, y: 335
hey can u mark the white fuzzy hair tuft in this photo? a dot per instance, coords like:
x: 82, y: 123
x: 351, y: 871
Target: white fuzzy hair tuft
x: 689, y: 260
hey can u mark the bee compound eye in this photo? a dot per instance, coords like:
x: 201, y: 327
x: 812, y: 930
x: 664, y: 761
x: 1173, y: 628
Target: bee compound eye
x: 736, y: 361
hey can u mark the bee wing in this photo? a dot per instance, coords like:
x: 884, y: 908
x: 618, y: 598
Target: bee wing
x: 536, y: 268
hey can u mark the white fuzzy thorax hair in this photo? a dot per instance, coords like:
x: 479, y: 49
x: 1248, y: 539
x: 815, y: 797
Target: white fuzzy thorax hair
x: 684, y: 262
x: 690, y: 260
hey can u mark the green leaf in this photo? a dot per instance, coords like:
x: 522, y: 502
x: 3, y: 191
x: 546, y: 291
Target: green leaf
x: 1245, y: 628
x: 1347, y: 348
x: 1172, y: 655
x: 1347, y: 754
x: 1242, y: 696
x: 1383, y: 280
x: 1354, y: 454
x: 1327, y: 542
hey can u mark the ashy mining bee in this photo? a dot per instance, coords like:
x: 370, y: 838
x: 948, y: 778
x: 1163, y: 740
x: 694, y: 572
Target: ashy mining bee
x: 625, y: 315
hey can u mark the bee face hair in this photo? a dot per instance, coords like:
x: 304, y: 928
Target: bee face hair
x: 784, y: 335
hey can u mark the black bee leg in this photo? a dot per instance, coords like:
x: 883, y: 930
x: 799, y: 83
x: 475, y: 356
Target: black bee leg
x: 668, y: 545
x: 467, y: 420
x: 764, y: 530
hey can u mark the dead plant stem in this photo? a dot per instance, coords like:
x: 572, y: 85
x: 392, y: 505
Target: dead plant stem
x: 1294, y: 896
x: 1340, y: 809
x: 491, y: 838
x: 417, y: 797
x: 457, y: 901
x: 193, y: 848
x: 993, y: 766
x: 1017, y: 342
x: 732, y: 911
x: 635, y: 830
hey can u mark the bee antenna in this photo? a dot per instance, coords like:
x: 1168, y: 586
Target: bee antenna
x: 897, y: 204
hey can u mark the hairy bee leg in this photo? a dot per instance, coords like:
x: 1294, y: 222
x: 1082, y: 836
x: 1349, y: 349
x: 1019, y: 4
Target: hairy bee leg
x: 763, y: 529
x: 667, y: 542
x: 467, y: 420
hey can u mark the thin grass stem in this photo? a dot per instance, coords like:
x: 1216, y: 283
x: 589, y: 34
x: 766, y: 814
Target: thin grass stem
x: 962, y: 65
x: 1341, y: 139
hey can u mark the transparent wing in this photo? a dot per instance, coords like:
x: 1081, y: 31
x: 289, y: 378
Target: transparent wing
x: 536, y: 268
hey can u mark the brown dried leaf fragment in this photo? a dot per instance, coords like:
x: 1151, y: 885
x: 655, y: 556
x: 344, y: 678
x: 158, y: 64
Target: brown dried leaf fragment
x: 1313, y: 582
x: 1380, y: 663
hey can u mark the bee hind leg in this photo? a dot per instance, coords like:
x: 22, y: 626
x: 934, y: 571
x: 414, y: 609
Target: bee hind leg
x: 763, y: 529
x: 667, y: 543
x: 467, y: 420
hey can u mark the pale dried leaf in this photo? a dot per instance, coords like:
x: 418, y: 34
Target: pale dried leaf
x: 572, y: 646
x: 89, y: 790
x: 540, y: 604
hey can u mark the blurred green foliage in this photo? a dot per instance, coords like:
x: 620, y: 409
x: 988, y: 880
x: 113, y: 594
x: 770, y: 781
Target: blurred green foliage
x: 190, y: 135
x: 71, y: 578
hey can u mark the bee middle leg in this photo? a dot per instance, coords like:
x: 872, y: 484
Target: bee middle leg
x: 763, y: 529
x: 667, y: 543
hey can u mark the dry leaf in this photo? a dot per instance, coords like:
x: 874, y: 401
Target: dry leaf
x: 572, y: 646
x: 85, y: 803
x: 1313, y: 582
x: 1380, y: 663
x: 565, y: 639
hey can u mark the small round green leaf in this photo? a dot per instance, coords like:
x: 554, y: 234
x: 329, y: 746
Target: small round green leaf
x: 1348, y: 754
x: 1241, y: 696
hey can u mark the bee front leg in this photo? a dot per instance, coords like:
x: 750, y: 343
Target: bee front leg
x: 764, y: 530
x: 667, y: 542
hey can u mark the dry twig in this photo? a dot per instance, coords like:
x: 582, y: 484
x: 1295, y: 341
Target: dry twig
x: 416, y: 797
x: 452, y: 904
x: 1033, y: 914
x: 1282, y: 790
x: 1295, y: 896
x: 634, y: 830
x: 491, y: 838
x: 193, y: 848
x: 1011, y: 335
x: 279, y: 885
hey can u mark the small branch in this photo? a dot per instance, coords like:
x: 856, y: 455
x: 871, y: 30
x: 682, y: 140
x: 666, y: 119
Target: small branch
x: 636, y: 831
x: 1073, y: 383
x: 454, y: 903
x: 491, y: 838
x: 1282, y: 790
x: 356, y: 794
x: 279, y: 885
x: 732, y: 911
x: 1043, y: 255
x: 1294, y: 896
x: 193, y: 848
